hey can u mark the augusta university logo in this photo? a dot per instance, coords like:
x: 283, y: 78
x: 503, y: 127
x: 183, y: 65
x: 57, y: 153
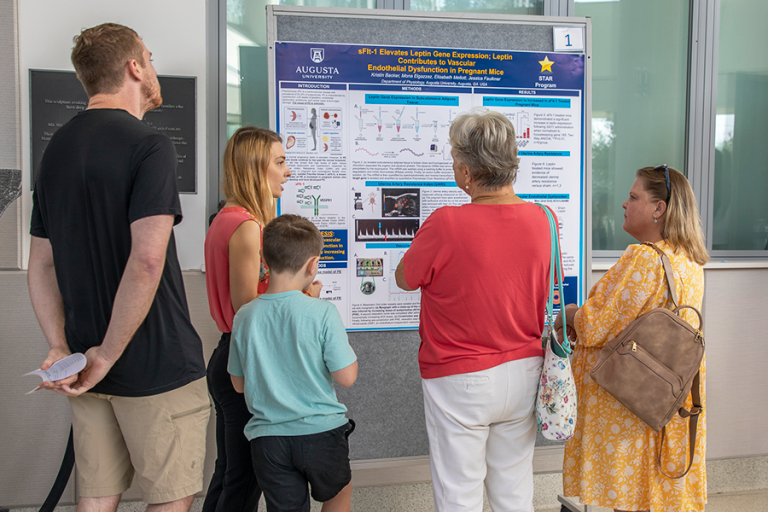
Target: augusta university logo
x: 317, y: 72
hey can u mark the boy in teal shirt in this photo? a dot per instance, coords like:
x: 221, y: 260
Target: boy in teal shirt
x: 287, y: 348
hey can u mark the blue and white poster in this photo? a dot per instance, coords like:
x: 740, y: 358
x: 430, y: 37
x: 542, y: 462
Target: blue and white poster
x: 365, y: 129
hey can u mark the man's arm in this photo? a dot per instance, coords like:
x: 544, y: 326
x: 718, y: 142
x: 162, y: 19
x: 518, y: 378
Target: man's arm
x: 149, y: 243
x: 48, y: 305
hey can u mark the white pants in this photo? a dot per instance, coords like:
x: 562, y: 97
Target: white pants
x: 482, y: 429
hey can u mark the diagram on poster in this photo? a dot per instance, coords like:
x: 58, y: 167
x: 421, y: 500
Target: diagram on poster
x: 366, y: 134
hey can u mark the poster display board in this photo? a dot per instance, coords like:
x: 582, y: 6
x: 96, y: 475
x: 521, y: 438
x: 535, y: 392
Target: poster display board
x: 365, y: 130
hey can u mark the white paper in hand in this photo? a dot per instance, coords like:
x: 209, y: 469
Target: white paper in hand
x: 61, y: 369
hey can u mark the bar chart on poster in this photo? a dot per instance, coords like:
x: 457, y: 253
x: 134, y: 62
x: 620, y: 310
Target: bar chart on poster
x: 366, y: 135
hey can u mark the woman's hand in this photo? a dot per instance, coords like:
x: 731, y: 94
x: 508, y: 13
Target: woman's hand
x: 570, y: 315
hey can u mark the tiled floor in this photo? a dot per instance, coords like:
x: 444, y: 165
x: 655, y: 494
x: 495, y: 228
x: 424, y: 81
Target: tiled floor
x: 744, y: 501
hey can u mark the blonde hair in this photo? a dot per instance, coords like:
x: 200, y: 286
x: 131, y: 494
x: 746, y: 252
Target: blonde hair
x: 100, y: 55
x: 485, y: 142
x: 246, y: 160
x: 682, y: 223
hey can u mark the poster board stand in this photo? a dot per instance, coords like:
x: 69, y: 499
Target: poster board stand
x: 363, y: 100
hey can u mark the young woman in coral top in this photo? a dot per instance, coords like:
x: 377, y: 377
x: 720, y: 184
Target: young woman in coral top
x: 254, y: 173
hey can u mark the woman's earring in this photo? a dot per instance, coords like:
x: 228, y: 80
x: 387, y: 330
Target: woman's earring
x: 655, y: 220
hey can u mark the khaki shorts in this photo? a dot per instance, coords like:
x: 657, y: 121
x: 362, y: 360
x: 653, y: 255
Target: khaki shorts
x: 160, y: 439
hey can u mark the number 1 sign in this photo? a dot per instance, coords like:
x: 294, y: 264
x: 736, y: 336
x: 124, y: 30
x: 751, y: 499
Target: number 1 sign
x: 568, y: 39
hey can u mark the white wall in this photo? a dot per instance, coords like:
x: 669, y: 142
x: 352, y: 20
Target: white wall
x: 173, y: 30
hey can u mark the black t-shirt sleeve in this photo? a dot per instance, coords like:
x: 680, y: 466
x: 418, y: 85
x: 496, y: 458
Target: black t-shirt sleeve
x: 154, y: 189
x: 37, y: 226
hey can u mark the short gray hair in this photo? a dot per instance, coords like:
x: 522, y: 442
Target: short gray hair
x: 485, y: 142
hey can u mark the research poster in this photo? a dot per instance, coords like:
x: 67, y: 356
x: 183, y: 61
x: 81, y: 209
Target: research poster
x: 365, y: 130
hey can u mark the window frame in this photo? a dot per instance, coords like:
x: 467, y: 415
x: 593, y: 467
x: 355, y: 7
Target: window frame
x: 701, y: 110
x: 706, y: 43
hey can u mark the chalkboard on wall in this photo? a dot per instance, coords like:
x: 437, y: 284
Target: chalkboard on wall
x: 57, y: 96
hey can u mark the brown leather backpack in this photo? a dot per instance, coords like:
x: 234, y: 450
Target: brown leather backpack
x: 652, y: 365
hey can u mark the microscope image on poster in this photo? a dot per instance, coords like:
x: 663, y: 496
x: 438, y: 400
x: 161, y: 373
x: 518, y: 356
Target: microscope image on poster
x: 400, y: 202
x: 368, y: 269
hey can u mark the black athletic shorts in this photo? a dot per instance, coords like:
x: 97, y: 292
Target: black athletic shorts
x: 284, y: 466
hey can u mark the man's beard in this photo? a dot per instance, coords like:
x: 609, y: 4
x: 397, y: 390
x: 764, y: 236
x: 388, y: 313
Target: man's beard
x: 152, y: 96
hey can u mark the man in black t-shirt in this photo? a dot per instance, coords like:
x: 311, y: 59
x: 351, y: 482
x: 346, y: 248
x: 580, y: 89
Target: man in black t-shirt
x: 105, y: 280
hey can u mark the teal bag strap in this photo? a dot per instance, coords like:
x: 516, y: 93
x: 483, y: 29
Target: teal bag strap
x: 555, y: 269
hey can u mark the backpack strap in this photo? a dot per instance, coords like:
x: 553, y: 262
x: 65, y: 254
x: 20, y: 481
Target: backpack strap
x: 695, y: 412
x: 693, y: 424
x: 667, y: 271
x: 65, y: 470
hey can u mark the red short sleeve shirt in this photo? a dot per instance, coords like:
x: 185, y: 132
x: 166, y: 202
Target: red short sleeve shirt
x: 483, y: 271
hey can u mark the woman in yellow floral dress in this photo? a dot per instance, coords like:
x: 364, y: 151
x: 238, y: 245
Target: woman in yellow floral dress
x: 611, y: 460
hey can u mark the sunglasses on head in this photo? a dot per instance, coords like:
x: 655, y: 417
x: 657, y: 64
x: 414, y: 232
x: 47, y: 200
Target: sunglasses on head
x: 666, y: 171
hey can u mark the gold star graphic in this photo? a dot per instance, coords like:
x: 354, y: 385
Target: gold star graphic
x: 546, y: 64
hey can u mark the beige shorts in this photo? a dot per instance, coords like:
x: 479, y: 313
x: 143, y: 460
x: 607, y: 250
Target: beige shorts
x: 160, y: 439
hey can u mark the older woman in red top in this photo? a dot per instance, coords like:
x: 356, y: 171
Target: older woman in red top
x: 483, y: 271
x: 254, y: 173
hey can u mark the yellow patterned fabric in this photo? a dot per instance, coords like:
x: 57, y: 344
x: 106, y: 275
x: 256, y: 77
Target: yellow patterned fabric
x: 611, y: 460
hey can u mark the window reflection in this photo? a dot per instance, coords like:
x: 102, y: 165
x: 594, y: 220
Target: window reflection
x: 603, y: 158
x: 247, y: 87
x: 639, y: 86
x: 740, y: 210
x: 481, y: 6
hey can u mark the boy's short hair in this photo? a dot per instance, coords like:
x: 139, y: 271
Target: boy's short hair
x: 289, y: 241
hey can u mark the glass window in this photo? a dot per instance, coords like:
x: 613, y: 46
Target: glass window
x: 740, y: 210
x: 639, y: 95
x: 247, y: 91
x: 481, y: 6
